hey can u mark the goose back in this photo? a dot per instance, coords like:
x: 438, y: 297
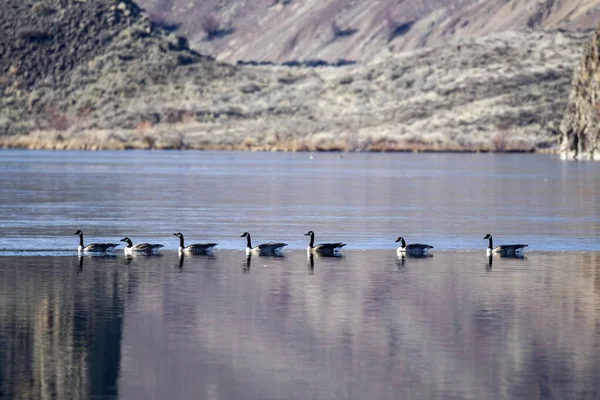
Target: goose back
x: 510, y: 248
x: 328, y: 248
x: 269, y: 248
x: 147, y: 248
x: 198, y: 248
x: 100, y: 248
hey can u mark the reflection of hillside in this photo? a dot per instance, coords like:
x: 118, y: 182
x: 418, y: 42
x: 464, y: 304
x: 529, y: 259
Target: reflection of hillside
x: 60, y: 328
x: 359, y: 328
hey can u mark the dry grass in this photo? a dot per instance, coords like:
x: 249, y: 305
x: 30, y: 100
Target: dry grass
x: 179, y: 138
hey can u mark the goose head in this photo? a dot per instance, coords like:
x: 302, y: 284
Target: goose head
x: 178, y: 234
x: 245, y: 234
x: 310, y: 233
x: 488, y: 236
x: 127, y: 240
x: 78, y: 232
x: 401, y: 239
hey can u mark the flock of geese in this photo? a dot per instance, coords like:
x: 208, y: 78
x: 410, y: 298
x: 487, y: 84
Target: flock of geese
x: 274, y: 249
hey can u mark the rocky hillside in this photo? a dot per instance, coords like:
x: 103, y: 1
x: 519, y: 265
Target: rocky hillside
x: 581, y: 123
x: 51, y: 48
x: 100, y: 74
x: 283, y: 30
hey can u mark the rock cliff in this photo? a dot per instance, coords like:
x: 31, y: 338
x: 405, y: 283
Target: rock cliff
x: 580, y: 126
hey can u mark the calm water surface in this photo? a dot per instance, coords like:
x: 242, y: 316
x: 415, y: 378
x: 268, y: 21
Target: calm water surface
x: 448, y: 200
x: 364, y: 326
x: 361, y: 327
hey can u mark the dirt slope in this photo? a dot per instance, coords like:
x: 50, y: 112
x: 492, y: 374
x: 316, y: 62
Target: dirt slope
x: 283, y: 30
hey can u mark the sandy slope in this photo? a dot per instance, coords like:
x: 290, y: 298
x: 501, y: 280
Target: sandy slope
x: 282, y: 30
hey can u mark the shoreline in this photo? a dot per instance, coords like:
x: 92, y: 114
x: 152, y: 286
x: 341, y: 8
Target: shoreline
x: 104, y: 140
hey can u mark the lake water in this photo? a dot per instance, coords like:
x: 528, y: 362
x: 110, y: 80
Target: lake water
x: 366, y: 325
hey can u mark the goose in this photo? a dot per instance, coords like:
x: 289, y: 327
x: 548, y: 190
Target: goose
x: 264, y: 249
x: 325, y: 249
x: 414, y: 248
x: 94, y: 247
x: 504, y: 249
x: 140, y: 248
x: 196, y: 248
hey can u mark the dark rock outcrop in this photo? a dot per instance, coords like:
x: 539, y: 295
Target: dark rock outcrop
x: 580, y: 126
x: 51, y: 48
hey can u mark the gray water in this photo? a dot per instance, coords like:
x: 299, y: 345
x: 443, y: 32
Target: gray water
x: 366, y: 325
x: 367, y: 200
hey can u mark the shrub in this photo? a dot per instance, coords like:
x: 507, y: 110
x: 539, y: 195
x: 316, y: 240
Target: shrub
x: 341, y: 32
x: 31, y: 34
x: 213, y: 27
x: 56, y: 120
x: 162, y: 20
x: 500, y: 140
x: 397, y: 28
x: 40, y: 8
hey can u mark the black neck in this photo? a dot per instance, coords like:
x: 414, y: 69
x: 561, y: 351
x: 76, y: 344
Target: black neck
x: 490, y: 239
x: 181, y: 241
x: 249, y: 243
x: 403, y: 243
x: 129, y: 243
x: 81, y: 239
x: 312, y: 240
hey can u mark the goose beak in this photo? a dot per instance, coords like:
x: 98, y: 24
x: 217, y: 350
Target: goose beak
x: 174, y: 234
x: 306, y: 234
x: 397, y: 240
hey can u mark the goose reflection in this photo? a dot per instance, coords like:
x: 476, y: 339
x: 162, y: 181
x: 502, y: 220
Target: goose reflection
x: 247, y: 264
x: 513, y: 256
x: 80, y: 269
x: 181, y: 258
x: 141, y: 256
x: 400, y: 261
x: 490, y: 258
x: 311, y: 264
x: 422, y: 255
